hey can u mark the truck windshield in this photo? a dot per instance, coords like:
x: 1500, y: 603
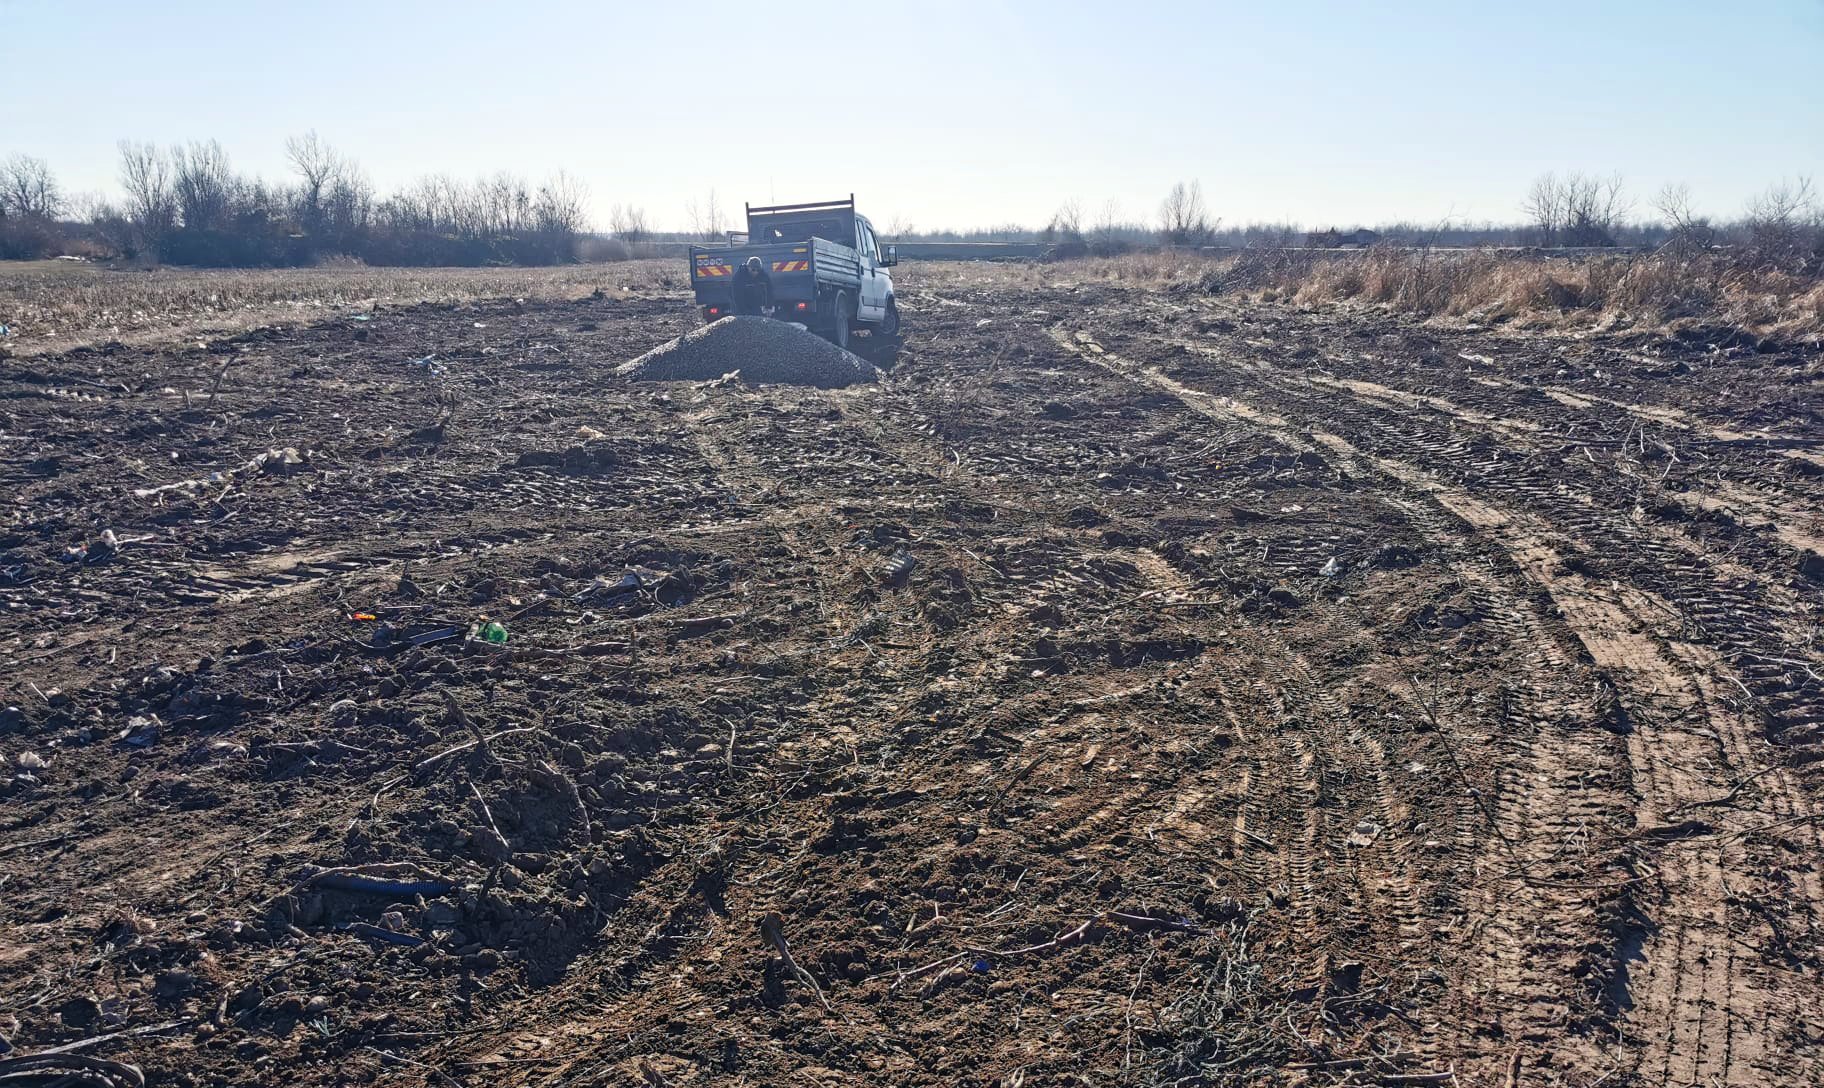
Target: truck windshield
x: 799, y: 230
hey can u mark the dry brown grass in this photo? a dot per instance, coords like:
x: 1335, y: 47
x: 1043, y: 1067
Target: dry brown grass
x: 1527, y: 291
x: 1636, y: 291
x: 58, y: 305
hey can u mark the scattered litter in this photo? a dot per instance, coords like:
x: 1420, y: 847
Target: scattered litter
x: 1332, y: 568
x: 360, y: 317
x: 763, y: 350
x: 189, y: 487
x: 280, y: 460
x: 481, y: 324
x: 378, y: 934
x: 898, y: 568
x: 383, y: 878
x: 590, y: 434
x: 276, y: 460
x: 435, y: 636
x: 32, y: 761
x: 632, y: 581
x: 1365, y: 833
x: 141, y: 732
x: 362, y: 617
x: 69, y: 1070
x: 430, y: 365
x: 493, y: 631
x: 6, y: 330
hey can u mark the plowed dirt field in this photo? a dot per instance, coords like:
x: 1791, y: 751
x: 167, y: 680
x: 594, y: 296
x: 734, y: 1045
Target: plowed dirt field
x: 1133, y: 687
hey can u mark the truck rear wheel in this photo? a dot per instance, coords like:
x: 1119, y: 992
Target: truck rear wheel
x: 842, y: 320
x: 889, y: 326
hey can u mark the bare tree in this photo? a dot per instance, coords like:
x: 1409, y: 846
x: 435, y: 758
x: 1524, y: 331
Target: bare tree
x: 28, y: 189
x: 1066, y: 226
x: 145, y: 173
x: 105, y: 218
x: 505, y: 205
x: 318, y: 166
x: 1786, y: 226
x: 705, y: 221
x: 1690, y: 233
x: 628, y: 223
x: 203, y: 185
x: 1544, y: 207
x: 1576, y: 209
x: 560, y: 213
x: 1183, y: 219
x: 348, y: 206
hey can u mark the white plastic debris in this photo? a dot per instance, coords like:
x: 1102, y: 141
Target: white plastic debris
x: 1332, y: 568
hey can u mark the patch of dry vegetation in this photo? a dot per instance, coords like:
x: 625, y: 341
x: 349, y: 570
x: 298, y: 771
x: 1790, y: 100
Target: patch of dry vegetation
x: 1634, y: 291
x: 58, y: 305
x: 1664, y: 290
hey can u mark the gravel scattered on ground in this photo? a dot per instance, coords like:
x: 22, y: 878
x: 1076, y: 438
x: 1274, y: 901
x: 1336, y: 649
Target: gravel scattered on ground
x: 763, y: 351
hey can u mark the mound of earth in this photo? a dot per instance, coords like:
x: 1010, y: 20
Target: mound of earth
x: 764, y: 351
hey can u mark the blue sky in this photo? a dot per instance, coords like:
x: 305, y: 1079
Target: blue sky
x: 950, y: 114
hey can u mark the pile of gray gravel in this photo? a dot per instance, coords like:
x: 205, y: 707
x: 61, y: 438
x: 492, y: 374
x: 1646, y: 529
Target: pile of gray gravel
x: 763, y: 350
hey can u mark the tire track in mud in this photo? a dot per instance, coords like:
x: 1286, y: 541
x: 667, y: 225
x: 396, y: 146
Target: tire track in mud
x: 1571, y: 494
x: 1737, y: 606
x: 1694, y: 1012
x: 1492, y: 413
x: 1383, y: 865
x: 1661, y: 675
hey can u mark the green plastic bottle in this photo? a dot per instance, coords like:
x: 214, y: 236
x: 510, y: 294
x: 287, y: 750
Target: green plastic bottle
x: 493, y: 632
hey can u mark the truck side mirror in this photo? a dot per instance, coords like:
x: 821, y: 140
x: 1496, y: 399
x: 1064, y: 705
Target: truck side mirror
x: 892, y: 257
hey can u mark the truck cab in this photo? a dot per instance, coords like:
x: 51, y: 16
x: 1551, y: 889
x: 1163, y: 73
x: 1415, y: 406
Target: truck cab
x: 821, y: 264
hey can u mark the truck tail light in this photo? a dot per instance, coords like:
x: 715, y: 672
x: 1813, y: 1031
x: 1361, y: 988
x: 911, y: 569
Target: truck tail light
x: 802, y: 306
x: 714, y: 310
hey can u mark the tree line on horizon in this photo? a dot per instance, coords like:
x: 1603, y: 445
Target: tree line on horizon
x: 187, y: 205
x: 1782, y: 227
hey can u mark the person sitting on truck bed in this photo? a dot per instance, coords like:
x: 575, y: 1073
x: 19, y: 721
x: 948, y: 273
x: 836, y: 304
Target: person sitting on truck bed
x: 753, y: 289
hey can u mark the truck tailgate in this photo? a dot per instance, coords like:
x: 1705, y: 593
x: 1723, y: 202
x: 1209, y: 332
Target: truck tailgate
x: 818, y: 259
x: 720, y: 263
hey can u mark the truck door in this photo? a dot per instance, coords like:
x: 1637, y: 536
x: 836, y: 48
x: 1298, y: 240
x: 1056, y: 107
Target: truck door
x: 871, y: 306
